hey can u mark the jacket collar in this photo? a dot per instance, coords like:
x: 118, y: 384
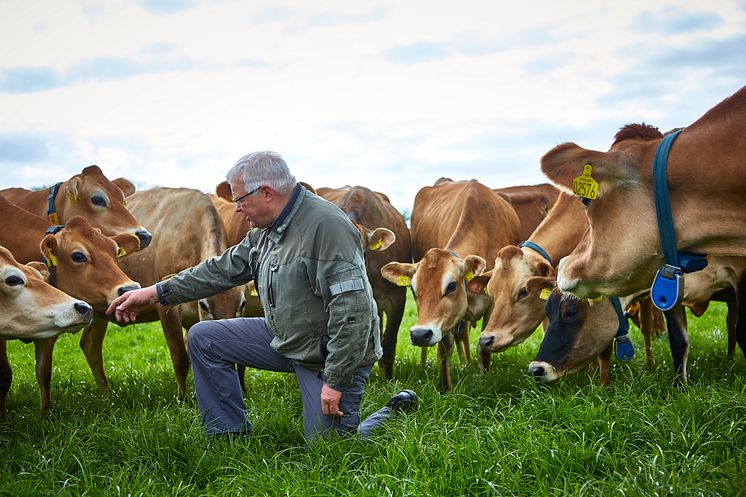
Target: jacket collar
x: 280, y: 224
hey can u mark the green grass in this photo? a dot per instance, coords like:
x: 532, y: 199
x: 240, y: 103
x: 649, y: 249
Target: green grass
x: 494, y: 434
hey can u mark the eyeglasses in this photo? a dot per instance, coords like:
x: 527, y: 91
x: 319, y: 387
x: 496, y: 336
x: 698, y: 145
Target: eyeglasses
x: 246, y: 195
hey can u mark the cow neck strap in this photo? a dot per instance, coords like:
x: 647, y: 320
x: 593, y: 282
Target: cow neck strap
x: 537, y: 248
x: 622, y: 346
x: 51, y: 211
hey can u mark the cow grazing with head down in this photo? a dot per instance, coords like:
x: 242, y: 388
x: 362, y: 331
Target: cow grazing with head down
x: 81, y: 262
x: 455, y: 228
x: 31, y: 309
x: 367, y: 208
x: 90, y: 195
x: 186, y: 230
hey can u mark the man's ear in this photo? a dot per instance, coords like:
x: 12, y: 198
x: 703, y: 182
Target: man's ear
x: 399, y: 273
x: 223, y: 190
x: 125, y: 185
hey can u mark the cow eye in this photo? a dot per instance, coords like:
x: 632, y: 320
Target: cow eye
x: 79, y: 257
x: 522, y: 294
x: 571, y: 312
x: 451, y: 287
x: 98, y: 200
x: 13, y: 280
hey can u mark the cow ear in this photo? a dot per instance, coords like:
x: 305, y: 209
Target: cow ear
x: 49, y: 249
x: 478, y: 284
x: 568, y: 161
x: 399, y: 273
x: 543, y: 268
x: 125, y: 185
x: 41, y: 267
x: 127, y: 243
x: 71, y: 188
x: 473, y: 266
x: 308, y: 187
x: 506, y: 253
x: 223, y: 190
x: 539, y: 283
x: 699, y: 308
x: 380, y: 239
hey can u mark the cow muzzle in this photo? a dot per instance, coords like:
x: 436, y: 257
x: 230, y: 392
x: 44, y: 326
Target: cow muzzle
x: 543, y: 371
x: 145, y: 238
x: 424, y: 337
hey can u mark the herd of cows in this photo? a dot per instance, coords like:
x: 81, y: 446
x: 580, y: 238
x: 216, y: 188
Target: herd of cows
x: 512, y: 257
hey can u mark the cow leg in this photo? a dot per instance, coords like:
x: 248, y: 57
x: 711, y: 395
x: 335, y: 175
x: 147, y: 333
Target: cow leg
x: 604, y: 362
x: 43, y: 352
x: 92, y: 344
x: 647, y: 324
x: 678, y: 339
x: 462, y: 342
x: 445, y: 350
x: 731, y: 321
x: 6, y: 377
x: 171, y: 324
x: 484, y: 356
x: 393, y: 321
x: 741, y: 320
x: 423, y: 357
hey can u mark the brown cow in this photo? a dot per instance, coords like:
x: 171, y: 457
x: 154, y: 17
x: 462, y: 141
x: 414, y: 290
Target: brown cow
x: 82, y: 263
x: 367, y: 208
x: 31, y: 309
x: 89, y: 194
x: 707, y: 184
x: 187, y: 230
x: 455, y: 228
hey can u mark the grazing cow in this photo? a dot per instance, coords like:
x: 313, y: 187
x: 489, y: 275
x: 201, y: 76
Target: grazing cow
x: 532, y: 203
x: 367, y: 208
x: 31, y: 309
x: 89, y: 194
x: 706, y: 182
x: 187, y: 230
x: 82, y: 263
x: 455, y: 228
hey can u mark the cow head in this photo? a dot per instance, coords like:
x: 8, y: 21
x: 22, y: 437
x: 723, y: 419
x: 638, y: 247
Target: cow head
x: 30, y: 308
x: 438, y: 283
x: 515, y: 285
x: 93, y: 196
x: 579, y: 330
x: 83, y: 262
x: 620, y: 252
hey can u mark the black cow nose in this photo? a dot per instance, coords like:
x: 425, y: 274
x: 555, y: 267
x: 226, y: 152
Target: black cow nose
x: 537, y: 371
x: 126, y: 288
x: 486, y: 342
x: 420, y: 336
x: 83, y: 309
x: 145, y: 238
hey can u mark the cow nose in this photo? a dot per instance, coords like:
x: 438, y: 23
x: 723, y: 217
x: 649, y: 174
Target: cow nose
x: 420, y: 336
x: 83, y: 309
x: 126, y: 288
x: 486, y: 342
x: 537, y: 371
x: 145, y: 238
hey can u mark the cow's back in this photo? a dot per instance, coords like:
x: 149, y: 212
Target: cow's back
x: 531, y: 203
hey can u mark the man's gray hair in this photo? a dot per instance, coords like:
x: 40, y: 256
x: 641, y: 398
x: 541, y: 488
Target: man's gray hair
x: 263, y: 168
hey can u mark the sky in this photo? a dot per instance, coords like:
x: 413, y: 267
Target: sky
x: 391, y: 95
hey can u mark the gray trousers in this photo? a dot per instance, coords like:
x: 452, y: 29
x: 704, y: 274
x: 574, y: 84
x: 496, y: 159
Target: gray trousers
x: 214, y: 348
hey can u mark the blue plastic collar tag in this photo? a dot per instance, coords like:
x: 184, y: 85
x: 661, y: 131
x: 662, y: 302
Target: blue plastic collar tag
x: 668, y: 287
x: 624, y: 349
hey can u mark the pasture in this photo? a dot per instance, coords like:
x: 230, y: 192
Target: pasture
x: 494, y: 434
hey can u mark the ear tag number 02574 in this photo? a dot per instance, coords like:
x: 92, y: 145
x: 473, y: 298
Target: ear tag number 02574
x: 584, y: 186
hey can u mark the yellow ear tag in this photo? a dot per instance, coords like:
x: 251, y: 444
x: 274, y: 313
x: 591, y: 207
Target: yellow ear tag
x: 597, y: 299
x: 73, y: 200
x: 403, y: 280
x: 51, y: 259
x: 121, y: 252
x: 375, y: 246
x: 485, y: 291
x: 54, y: 218
x: 253, y: 292
x: 469, y: 276
x: 584, y: 186
x: 545, y: 293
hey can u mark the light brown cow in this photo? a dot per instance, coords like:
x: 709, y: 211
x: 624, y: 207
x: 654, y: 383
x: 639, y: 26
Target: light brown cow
x: 82, y: 263
x: 31, y: 309
x: 367, y: 208
x: 707, y: 185
x: 186, y: 230
x: 532, y: 203
x: 89, y: 194
x: 455, y: 228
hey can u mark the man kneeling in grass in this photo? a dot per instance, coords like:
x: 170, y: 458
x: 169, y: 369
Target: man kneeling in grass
x: 320, y: 320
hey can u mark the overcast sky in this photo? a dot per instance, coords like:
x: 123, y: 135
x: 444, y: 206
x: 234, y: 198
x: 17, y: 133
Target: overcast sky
x: 387, y: 94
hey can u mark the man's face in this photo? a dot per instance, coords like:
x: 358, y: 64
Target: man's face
x: 252, y: 204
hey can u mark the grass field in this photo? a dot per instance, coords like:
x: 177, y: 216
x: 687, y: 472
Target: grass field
x: 494, y: 434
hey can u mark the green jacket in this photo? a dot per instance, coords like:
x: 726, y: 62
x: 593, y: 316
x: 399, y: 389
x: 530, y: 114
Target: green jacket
x: 309, y: 270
